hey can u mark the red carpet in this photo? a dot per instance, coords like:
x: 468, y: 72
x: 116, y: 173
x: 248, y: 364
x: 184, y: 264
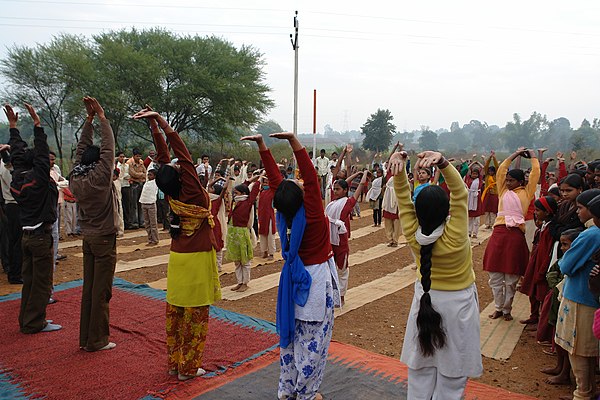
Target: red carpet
x: 51, y: 365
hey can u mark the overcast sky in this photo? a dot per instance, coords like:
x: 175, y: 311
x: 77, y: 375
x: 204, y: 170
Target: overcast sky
x: 428, y: 62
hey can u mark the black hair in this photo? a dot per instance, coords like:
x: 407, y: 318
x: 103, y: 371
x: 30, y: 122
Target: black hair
x: 342, y: 183
x: 217, y: 189
x: 204, y: 156
x: 136, y: 152
x: 594, y: 206
x: 585, y: 197
x: 120, y: 152
x: 551, y: 202
x: 52, y: 153
x: 518, y: 175
x: 574, y: 180
x: 571, y: 234
x: 554, y: 190
x: 432, y: 207
x: 592, y: 166
x: 90, y: 155
x: 22, y: 159
x: 175, y: 228
x: 242, y: 189
x: 167, y: 180
x: 491, y: 168
x: 152, y: 171
x: 322, y: 151
x: 288, y: 198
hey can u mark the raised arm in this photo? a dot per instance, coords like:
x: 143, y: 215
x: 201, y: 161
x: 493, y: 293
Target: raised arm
x: 41, y: 152
x: 338, y: 164
x: 534, y: 175
x: 87, y: 131
x: 268, y: 161
x: 361, y: 186
x: 406, y: 208
x: 16, y: 143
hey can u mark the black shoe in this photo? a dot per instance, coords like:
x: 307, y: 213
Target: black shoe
x: 17, y: 281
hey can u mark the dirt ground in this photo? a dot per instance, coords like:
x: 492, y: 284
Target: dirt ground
x: 377, y: 326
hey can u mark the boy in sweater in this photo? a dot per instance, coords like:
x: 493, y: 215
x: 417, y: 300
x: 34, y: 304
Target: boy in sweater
x: 148, y: 202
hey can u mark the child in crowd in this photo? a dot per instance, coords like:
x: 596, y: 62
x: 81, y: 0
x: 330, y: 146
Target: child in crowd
x: 474, y: 183
x: 239, y: 242
x: 489, y: 197
x: 338, y: 212
x: 375, y: 196
x: 562, y: 371
x: 534, y: 282
x: 148, y: 202
x: 216, y: 190
x: 577, y: 307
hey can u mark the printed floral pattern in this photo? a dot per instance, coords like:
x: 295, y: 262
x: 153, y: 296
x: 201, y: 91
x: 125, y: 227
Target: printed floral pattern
x: 186, y: 336
x: 303, y: 362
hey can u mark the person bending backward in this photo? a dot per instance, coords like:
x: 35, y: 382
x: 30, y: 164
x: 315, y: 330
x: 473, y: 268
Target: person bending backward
x: 308, y: 286
x: 91, y: 183
x: 506, y: 255
x: 192, y: 276
x: 37, y: 195
x: 441, y: 346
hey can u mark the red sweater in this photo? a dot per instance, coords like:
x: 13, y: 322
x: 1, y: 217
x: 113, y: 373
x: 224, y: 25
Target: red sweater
x: 315, y: 247
x: 191, y: 192
x: 240, y: 214
x: 544, y: 186
x: 266, y: 214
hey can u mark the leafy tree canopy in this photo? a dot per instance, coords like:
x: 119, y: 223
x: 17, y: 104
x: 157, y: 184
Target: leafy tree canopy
x: 378, y: 131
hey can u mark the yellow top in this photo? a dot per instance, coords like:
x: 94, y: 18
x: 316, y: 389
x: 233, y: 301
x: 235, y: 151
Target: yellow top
x: 525, y: 194
x: 451, y: 258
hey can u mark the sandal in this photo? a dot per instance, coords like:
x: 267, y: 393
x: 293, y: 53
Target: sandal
x: 495, y: 315
x: 508, y: 317
x: 529, y: 321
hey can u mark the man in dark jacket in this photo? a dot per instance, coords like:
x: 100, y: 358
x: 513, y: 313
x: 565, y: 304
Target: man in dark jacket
x: 91, y: 183
x: 36, y: 195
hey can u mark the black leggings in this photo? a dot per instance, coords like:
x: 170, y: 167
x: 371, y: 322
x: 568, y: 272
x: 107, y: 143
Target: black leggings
x: 377, y: 213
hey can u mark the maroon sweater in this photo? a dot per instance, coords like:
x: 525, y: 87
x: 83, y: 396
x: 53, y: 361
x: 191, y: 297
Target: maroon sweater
x: 191, y: 192
x: 240, y: 214
x: 315, y: 247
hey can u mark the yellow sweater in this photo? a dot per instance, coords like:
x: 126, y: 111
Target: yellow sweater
x: 525, y: 194
x: 452, y: 258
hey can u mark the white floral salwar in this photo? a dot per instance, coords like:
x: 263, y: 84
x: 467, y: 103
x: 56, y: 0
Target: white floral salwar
x: 303, y: 362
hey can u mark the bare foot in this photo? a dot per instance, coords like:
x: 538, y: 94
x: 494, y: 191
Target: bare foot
x: 495, y: 315
x: 508, y: 317
x: 551, y: 371
x: 558, y: 380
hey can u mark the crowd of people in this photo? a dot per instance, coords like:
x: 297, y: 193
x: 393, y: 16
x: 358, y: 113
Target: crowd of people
x: 544, y: 242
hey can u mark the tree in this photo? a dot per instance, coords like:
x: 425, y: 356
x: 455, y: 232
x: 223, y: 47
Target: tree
x: 585, y: 137
x: 428, y: 140
x: 266, y: 128
x: 525, y: 133
x: 378, y: 131
x: 42, y: 76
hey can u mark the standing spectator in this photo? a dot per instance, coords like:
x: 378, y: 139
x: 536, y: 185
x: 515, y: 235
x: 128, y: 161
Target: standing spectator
x: 13, y: 228
x: 322, y: 165
x: 91, y: 183
x: 148, y: 202
x: 36, y: 196
x: 489, y: 197
x: 163, y: 210
x: 117, y: 184
x: 266, y: 220
x: 149, y: 159
x: 137, y: 177
x: 124, y: 177
x: 61, y: 182
x: 70, y: 212
x: 204, y: 170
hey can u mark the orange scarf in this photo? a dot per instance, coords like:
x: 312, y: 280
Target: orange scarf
x: 191, y: 216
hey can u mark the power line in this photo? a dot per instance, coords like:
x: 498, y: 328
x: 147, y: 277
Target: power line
x: 379, y: 17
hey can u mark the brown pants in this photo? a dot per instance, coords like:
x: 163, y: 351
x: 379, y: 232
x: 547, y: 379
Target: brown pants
x: 38, y: 265
x: 150, y: 223
x: 99, y: 262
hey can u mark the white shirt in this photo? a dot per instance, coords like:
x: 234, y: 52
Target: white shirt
x: 5, y: 180
x: 149, y: 192
x: 323, y: 165
x: 202, y: 168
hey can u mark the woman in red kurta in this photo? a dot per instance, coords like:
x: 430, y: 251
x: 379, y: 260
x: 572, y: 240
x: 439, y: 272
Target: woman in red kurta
x: 308, y: 288
x: 474, y: 182
x: 192, y: 277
